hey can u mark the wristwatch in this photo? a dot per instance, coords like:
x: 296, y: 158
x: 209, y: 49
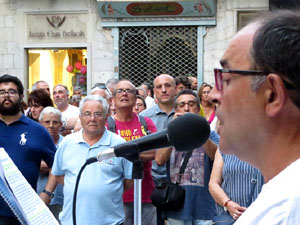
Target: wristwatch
x: 225, y: 205
x: 50, y: 194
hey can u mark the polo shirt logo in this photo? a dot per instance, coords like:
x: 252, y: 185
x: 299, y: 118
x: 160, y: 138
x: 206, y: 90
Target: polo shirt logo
x: 23, y: 139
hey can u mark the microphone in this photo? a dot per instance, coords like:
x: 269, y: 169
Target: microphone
x: 185, y: 133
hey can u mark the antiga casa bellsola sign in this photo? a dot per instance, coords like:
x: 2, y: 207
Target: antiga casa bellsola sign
x: 45, y: 27
x: 187, y: 8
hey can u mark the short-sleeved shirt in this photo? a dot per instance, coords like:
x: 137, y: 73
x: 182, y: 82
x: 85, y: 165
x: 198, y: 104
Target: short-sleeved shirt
x: 198, y: 203
x: 99, y: 197
x: 161, y: 120
x: 70, y: 112
x: 241, y: 182
x: 131, y: 130
x: 27, y: 143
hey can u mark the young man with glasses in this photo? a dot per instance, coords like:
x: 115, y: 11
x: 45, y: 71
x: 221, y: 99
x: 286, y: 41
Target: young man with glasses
x: 199, y: 206
x: 258, y: 104
x: 129, y: 126
x: 24, y: 140
x: 99, y: 197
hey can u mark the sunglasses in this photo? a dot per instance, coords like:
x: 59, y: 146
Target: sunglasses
x: 219, y: 77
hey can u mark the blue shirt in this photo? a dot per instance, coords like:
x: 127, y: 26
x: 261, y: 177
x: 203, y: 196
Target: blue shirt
x: 161, y: 120
x: 99, y: 196
x: 27, y: 143
x: 198, y: 203
x: 241, y: 182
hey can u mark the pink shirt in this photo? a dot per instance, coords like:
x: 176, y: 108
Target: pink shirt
x: 131, y: 130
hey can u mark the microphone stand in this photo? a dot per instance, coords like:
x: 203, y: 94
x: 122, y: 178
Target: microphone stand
x: 138, y: 175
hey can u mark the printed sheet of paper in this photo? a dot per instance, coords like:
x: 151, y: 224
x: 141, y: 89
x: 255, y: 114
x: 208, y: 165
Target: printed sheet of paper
x: 35, y: 211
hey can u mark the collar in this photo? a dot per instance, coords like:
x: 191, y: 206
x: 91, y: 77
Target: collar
x: 105, y: 140
x: 22, y: 119
x: 158, y: 110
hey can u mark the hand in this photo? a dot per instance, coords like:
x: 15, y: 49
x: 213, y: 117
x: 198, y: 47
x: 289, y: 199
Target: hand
x: 235, y: 209
x: 45, y: 198
x: 178, y: 114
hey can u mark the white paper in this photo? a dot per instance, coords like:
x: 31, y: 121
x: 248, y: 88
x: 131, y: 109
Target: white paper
x: 34, y: 209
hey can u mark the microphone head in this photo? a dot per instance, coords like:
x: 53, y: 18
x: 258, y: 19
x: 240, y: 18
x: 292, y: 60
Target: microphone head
x: 188, y: 132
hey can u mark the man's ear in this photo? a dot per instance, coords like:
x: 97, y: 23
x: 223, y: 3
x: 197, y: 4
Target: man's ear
x: 275, y: 95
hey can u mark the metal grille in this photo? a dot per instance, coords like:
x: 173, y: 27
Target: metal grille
x: 146, y: 52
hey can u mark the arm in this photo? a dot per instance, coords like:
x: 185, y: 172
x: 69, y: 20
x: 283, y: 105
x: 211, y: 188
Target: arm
x: 77, y: 126
x: 210, y: 149
x: 60, y: 179
x: 51, y: 185
x: 162, y: 155
x: 127, y: 184
x: 43, y: 167
x: 147, y: 156
x: 218, y: 193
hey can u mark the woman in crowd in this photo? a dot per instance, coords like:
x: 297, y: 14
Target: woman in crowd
x: 234, y: 185
x: 208, y: 107
x: 37, y: 101
x: 140, y: 105
x: 51, y: 119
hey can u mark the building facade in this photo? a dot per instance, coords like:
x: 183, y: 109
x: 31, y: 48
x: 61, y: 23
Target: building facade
x: 73, y: 43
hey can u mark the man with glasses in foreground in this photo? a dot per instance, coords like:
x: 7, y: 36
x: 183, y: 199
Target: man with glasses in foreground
x: 199, y: 206
x: 258, y: 105
x: 25, y: 141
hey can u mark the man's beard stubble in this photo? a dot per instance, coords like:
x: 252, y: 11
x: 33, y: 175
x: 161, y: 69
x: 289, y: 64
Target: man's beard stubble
x: 12, y: 110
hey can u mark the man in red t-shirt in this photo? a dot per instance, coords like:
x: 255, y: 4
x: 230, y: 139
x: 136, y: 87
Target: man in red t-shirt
x: 129, y: 127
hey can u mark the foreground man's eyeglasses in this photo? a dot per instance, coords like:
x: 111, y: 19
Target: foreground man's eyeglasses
x: 219, y: 77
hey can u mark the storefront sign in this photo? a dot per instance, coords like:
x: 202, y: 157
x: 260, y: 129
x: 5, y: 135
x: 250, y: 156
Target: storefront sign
x: 54, y: 28
x: 187, y: 8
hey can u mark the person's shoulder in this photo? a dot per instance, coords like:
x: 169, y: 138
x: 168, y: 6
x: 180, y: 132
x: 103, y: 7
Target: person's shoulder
x: 149, y: 121
x: 149, y: 111
x: 35, y: 126
x: 73, y: 108
x: 115, y: 139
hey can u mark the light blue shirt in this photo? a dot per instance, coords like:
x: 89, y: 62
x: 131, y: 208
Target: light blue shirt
x: 161, y: 120
x: 99, y: 196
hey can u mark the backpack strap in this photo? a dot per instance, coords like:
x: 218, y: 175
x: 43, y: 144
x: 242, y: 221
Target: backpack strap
x: 111, y: 124
x: 144, y: 125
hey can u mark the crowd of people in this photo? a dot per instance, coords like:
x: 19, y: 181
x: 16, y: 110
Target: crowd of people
x: 245, y: 173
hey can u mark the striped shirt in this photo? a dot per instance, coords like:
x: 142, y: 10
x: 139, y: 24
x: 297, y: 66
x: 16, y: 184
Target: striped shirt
x: 241, y: 182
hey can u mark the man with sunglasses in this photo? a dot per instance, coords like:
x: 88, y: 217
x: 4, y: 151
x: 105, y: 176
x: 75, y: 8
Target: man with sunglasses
x: 258, y: 105
x: 199, y: 206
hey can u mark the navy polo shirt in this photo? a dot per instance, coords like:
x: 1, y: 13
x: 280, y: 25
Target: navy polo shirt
x: 27, y: 143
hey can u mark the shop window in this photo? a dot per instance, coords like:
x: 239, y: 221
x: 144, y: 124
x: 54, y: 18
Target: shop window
x: 146, y: 52
x: 58, y: 66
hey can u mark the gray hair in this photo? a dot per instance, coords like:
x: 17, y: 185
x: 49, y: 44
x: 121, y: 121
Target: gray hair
x: 77, y: 88
x: 50, y: 110
x: 257, y: 81
x: 112, y: 81
x: 143, y: 90
x: 65, y: 87
x: 94, y: 98
x: 36, y: 83
x: 108, y: 94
